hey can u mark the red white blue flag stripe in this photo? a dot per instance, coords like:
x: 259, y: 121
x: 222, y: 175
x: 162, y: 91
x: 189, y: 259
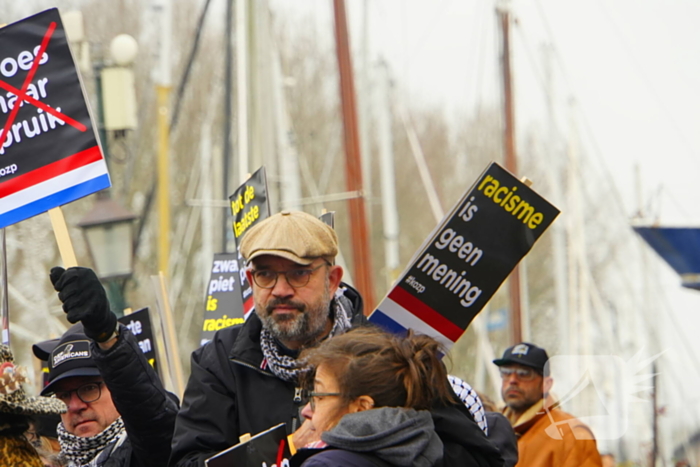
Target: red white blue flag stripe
x: 401, y: 311
x: 52, y: 185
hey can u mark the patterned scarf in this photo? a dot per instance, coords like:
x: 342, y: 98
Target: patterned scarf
x: 288, y: 368
x: 80, y: 451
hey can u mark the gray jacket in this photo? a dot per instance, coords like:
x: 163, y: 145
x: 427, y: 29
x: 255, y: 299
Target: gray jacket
x: 398, y: 436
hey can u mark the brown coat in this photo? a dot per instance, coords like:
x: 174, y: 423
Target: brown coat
x: 553, y: 438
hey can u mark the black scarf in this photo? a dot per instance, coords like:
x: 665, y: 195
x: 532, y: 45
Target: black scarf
x: 284, y: 366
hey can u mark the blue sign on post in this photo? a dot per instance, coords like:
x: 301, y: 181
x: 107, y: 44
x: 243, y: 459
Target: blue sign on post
x: 679, y: 247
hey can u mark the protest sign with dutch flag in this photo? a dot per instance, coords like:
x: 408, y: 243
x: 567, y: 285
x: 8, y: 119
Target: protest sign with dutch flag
x: 466, y: 258
x: 49, y: 153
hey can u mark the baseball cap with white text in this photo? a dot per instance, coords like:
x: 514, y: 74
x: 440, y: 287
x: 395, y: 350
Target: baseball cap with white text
x: 71, y: 356
x: 525, y: 354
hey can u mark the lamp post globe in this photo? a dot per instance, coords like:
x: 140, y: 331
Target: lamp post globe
x: 123, y: 49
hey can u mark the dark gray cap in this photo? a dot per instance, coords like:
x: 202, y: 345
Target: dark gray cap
x: 524, y: 354
x: 71, y: 356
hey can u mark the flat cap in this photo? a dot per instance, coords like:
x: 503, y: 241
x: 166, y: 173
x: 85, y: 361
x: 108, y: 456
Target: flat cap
x: 293, y: 235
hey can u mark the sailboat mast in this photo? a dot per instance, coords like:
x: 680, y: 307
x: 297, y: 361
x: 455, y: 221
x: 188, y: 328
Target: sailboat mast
x: 227, y: 122
x: 361, y: 255
x: 510, y: 163
x: 654, y: 417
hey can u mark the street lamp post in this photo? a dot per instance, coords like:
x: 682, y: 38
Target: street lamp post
x: 108, y: 229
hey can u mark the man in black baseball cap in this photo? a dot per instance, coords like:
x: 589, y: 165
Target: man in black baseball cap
x: 67, y: 357
x: 547, y: 436
x: 527, y: 355
x: 118, y: 413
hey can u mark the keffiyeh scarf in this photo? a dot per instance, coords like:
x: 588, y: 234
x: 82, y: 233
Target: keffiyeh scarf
x: 288, y: 368
x: 80, y: 451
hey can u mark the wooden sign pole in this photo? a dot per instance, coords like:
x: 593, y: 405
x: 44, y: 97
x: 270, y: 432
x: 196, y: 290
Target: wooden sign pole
x: 65, y: 246
x: 5, y: 303
x: 169, y: 337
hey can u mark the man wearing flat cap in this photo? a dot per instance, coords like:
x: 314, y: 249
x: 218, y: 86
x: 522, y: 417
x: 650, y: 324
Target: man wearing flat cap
x: 245, y: 380
x: 547, y: 436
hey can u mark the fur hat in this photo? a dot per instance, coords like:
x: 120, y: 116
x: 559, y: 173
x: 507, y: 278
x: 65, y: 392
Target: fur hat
x: 13, y: 399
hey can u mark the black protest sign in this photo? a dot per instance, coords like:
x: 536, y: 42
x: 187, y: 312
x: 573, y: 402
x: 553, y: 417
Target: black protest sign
x: 467, y: 257
x: 49, y: 153
x: 224, y: 307
x: 139, y: 323
x: 269, y: 448
x: 249, y: 205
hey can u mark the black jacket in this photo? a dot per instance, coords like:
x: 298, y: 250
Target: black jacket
x: 502, y: 435
x: 229, y: 394
x: 147, y: 409
x: 465, y: 445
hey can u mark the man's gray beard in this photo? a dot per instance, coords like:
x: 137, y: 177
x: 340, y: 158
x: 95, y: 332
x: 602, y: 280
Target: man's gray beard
x: 306, y: 326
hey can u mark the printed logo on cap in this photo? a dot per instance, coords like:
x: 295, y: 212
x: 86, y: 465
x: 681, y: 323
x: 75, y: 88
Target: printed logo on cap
x: 70, y: 351
x: 520, y: 349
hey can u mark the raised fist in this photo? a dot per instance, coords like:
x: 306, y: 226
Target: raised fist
x: 84, y: 299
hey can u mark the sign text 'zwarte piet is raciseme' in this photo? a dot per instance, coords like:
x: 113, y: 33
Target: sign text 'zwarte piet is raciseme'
x: 224, y: 305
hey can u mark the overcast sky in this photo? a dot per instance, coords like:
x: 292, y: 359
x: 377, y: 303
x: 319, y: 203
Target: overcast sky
x: 630, y: 66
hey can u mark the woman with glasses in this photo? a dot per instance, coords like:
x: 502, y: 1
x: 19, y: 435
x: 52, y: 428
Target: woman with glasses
x: 372, y: 400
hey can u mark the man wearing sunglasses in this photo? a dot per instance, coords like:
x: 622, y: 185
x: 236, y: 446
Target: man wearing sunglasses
x: 547, y: 436
x: 246, y: 379
x: 119, y: 414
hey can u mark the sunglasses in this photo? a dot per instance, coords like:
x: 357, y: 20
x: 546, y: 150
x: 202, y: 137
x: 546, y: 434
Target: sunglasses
x: 522, y: 374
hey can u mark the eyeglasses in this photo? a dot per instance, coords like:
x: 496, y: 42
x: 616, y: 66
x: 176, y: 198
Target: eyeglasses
x: 311, y: 397
x: 267, y: 278
x: 87, y: 393
x: 522, y: 374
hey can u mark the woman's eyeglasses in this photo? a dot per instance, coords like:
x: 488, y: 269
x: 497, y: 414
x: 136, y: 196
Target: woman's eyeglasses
x: 311, y: 396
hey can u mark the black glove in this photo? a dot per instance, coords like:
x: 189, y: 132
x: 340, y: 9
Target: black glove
x: 84, y: 299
